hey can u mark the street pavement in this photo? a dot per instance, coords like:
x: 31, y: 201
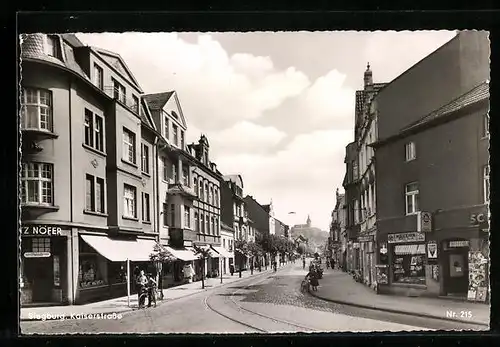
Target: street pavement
x: 340, y: 287
x: 265, y: 302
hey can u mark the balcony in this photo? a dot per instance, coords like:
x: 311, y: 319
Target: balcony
x: 181, y: 189
x: 129, y: 103
x: 177, y: 236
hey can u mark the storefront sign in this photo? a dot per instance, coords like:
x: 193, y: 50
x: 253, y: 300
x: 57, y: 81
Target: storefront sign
x: 458, y: 244
x: 405, y: 237
x: 37, y: 254
x: 432, y: 250
x: 42, y: 230
x: 424, y: 222
x: 365, y: 238
x: 478, y: 218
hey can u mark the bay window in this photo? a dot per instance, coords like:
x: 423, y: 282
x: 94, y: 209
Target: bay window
x: 36, y: 109
x: 37, y: 183
x: 187, y: 217
x: 185, y: 175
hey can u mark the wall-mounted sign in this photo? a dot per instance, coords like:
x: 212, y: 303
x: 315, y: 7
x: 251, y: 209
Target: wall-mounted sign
x: 432, y: 250
x: 365, y: 238
x: 405, y: 237
x: 458, y: 244
x: 424, y: 222
x: 37, y: 254
x: 41, y: 230
x: 478, y: 218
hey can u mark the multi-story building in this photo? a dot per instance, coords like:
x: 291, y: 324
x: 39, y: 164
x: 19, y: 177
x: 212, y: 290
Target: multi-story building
x: 270, y: 211
x: 433, y: 173
x: 260, y: 217
x: 235, y: 214
x: 227, y: 237
x: 337, y: 241
x: 86, y: 192
x: 365, y: 134
x: 352, y: 195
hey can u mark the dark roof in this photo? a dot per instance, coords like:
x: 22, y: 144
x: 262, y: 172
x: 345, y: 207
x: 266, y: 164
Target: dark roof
x: 266, y: 208
x: 72, y: 40
x: 476, y: 94
x: 158, y: 100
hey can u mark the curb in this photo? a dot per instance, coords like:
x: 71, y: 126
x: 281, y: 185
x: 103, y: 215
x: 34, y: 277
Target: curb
x: 390, y: 310
x: 130, y: 309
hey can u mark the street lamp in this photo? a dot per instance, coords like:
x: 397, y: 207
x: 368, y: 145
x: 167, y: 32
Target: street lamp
x: 159, y: 267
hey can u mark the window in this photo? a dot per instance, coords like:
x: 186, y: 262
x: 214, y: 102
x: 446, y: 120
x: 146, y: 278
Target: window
x: 182, y: 139
x: 129, y: 201
x: 94, y: 131
x: 176, y: 135
x: 53, y: 46
x: 224, y: 243
x: 165, y: 214
x: 486, y: 121
x: 201, y: 195
x: 165, y: 168
x: 207, y: 225
x: 216, y: 197
x: 410, y: 151
x: 36, y: 109
x: 166, y: 132
x: 408, y: 263
x: 185, y: 175
x: 211, y: 196
x: 212, y: 225
x: 119, y: 91
x: 195, y: 185
x: 174, y: 173
x: 145, y: 158
x: 187, y: 217
x: 412, y: 198
x: 172, y: 215
x: 128, y: 146
x: 486, y: 184
x: 235, y: 210
x: 206, y: 192
x: 37, y: 183
x: 98, y: 77
x: 202, y: 223
x: 135, y: 104
x: 146, y: 208
x: 196, y: 225
x: 94, y: 194
x: 40, y: 244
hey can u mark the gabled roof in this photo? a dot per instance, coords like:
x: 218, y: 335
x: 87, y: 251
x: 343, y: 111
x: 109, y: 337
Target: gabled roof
x: 156, y: 101
x: 146, y: 117
x: 476, y: 94
x: 116, y: 61
x: 234, y: 178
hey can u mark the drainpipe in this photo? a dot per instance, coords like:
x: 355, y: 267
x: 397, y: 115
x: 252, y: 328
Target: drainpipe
x: 72, y: 296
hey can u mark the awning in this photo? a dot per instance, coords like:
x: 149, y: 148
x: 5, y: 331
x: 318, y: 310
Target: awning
x: 182, y: 254
x: 409, y: 249
x: 222, y: 251
x: 121, y: 250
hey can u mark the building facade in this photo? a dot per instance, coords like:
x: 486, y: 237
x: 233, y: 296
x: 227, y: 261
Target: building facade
x: 365, y: 135
x: 337, y: 240
x: 83, y: 127
x: 433, y: 174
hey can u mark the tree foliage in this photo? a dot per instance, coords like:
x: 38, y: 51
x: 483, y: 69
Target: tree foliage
x: 161, y: 254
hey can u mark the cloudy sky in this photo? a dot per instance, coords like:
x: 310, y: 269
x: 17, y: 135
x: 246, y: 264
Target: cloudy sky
x: 277, y: 108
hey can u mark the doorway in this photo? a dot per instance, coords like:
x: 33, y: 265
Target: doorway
x: 42, y: 279
x: 456, y: 271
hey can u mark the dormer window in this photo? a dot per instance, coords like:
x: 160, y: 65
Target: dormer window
x: 53, y: 46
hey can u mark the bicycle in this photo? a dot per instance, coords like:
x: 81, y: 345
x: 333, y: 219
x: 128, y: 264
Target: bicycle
x: 147, y: 293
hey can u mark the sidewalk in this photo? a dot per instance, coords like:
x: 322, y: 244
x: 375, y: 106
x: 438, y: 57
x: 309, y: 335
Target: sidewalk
x: 119, y: 305
x: 340, y: 287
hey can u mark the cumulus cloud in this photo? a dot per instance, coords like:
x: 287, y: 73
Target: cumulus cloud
x: 217, y: 90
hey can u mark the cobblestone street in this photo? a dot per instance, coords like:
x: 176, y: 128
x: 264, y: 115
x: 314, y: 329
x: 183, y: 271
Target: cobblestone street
x: 265, y: 303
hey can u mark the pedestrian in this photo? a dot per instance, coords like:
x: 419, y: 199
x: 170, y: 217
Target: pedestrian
x: 151, y: 285
x: 333, y: 263
x: 141, y: 285
x: 327, y: 264
x: 231, y: 269
x: 313, y: 279
x: 304, y: 263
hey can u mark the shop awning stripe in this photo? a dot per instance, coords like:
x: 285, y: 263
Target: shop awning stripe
x: 121, y: 250
x: 182, y: 254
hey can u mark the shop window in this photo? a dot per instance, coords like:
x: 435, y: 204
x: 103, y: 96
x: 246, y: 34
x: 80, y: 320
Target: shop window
x: 40, y: 244
x: 90, y: 273
x: 57, y: 271
x: 117, y: 272
x: 408, y: 264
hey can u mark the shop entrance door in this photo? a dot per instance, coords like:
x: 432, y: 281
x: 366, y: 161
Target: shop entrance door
x: 42, y: 279
x: 457, y: 272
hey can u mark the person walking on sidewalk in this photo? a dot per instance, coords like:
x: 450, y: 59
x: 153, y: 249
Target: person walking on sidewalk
x: 151, y: 286
x: 142, y: 281
x: 303, y: 263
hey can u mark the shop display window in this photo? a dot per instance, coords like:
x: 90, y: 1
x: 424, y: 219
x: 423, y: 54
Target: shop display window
x: 408, y: 264
x: 90, y: 273
x: 40, y: 244
x: 117, y: 272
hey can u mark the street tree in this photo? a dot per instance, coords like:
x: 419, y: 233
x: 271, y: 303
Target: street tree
x: 240, y: 247
x: 254, y: 249
x: 203, y: 254
x: 160, y: 256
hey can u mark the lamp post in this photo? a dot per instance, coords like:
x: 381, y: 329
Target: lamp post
x: 159, y: 267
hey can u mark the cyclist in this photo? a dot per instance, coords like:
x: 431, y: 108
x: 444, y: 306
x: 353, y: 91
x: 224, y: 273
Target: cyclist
x: 151, y: 287
x: 142, y: 281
